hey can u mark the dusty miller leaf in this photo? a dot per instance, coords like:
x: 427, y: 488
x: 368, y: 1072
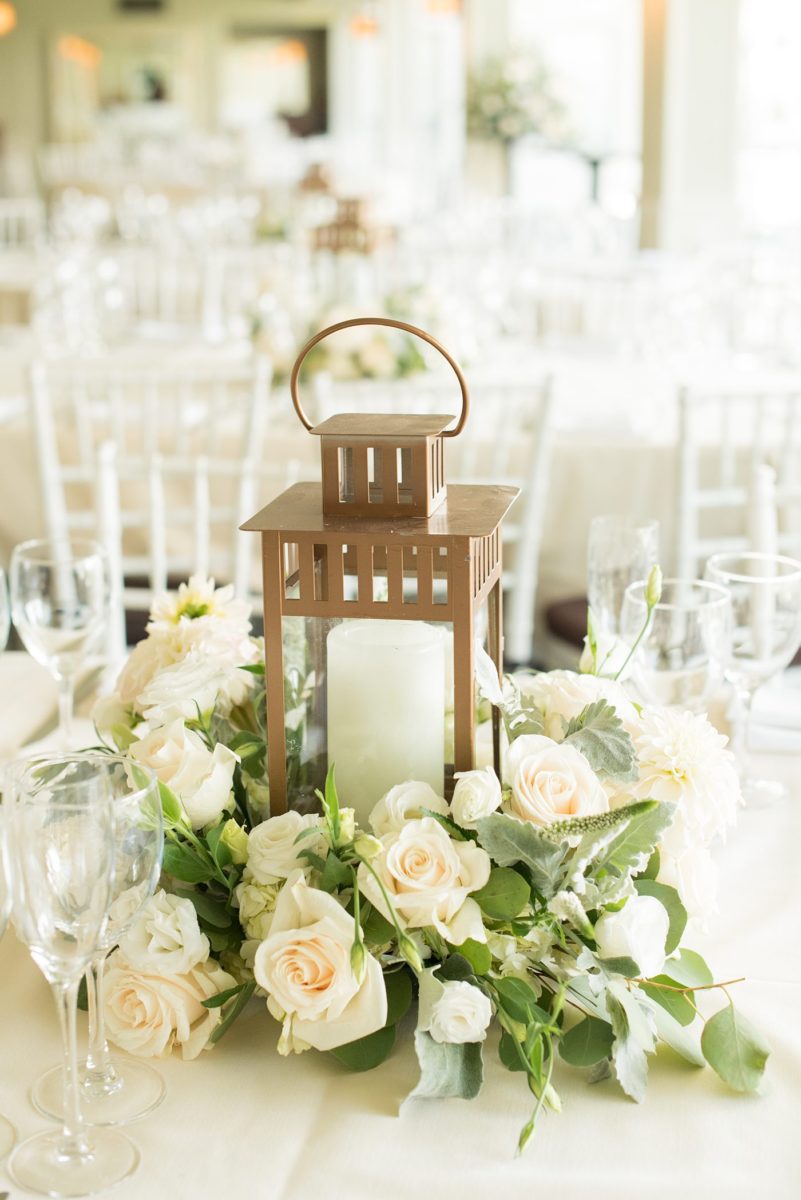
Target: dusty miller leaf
x: 508, y: 841
x: 446, y: 1069
x: 598, y: 733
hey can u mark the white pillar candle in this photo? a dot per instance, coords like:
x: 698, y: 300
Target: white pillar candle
x: 386, y: 708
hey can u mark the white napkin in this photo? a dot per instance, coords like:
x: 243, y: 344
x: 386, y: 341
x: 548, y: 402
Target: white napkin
x: 776, y: 723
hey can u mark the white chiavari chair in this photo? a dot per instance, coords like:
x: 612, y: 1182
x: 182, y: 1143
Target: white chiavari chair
x: 507, y: 439
x: 726, y: 438
x: 204, y: 422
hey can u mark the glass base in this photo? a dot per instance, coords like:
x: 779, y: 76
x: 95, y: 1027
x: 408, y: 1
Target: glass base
x: 39, y: 1164
x: 8, y: 1136
x: 139, y: 1089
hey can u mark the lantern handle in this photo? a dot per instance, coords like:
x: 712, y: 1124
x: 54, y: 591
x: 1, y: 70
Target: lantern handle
x: 393, y: 324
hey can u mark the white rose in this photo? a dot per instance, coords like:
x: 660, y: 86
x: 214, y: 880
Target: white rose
x: 197, y: 682
x: 403, y: 803
x: 461, y: 1014
x: 694, y: 875
x: 145, y: 660
x: 201, y: 778
x: 639, y: 931
x: 476, y: 795
x: 273, y: 849
x: 147, y: 1013
x: 428, y: 878
x: 166, y: 938
x: 561, y: 695
x: 551, y: 782
x: 304, y: 966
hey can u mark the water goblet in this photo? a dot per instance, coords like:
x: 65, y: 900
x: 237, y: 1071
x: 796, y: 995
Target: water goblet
x: 59, y: 855
x: 8, y: 1134
x: 115, y: 1091
x: 5, y: 610
x: 620, y: 551
x: 679, y: 659
x: 60, y: 601
x: 765, y: 592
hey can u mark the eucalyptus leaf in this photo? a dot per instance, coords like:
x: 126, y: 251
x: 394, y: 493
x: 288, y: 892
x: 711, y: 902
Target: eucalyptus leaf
x: 689, y: 968
x: 504, y: 895
x: 509, y: 842
x: 670, y: 900
x: 676, y: 1003
x: 598, y: 733
x: 735, y: 1049
x: 476, y: 954
x: 368, y: 1052
x: 447, y: 1069
x: 682, y: 1039
x: 587, y: 1043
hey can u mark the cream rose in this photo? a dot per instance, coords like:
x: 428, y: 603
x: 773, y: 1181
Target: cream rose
x: 551, y: 782
x: 144, y: 662
x: 403, y: 803
x: 561, y: 695
x: 476, y: 795
x: 166, y: 937
x: 639, y: 931
x: 461, y: 1014
x: 147, y: 1013
x: 201, y: 778
x: 428, y: 878
x: 304, y: 966
x: 196, y: 682
x: 273, y: 848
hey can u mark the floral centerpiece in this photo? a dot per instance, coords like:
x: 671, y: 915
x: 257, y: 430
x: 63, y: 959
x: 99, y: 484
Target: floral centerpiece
x: 551, y: 902
x: 513, y: 96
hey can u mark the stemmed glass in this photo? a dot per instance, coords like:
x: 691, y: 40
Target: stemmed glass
x: 8, y: 1134
x: 5, y: 610
x: 765, y: 591
x: 619, y: 551
x: 60, y: 863
x: 680, y: 658
x: 60, y: 601
x: 115, y: 1091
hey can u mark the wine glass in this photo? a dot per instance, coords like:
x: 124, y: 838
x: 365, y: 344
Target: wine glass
x: 619, y: 551
x: 680, y: 657
x: 115, y: 1091
x: 60, y: 602
x: 765, y: 591
x: 60, y: 861
x: 8, y: 1134
x: 5, y: 610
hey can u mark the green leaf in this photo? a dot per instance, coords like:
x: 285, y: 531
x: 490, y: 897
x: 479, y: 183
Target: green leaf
x: 213, y: 912
x: 335, y: 873
x: 183, y: 863
x: 220, y: 852
x: 620, y: 966
x: 519, y: 1001
x: 598, y: 733
x: 170, y: 805
x: 368, y: 1052
x: 331, y: 805
x: 652, y: 869
x: 221, y: 997
x: 509, y: 842
x: 689, y: 968
x: 254, y: 668
x: 236, y: 1008
x: 447, y: 1069
x: 376, y: 928
x: 633, y: 846
x: 735, y: 1049
x: 670, y: 900
x: 504, y: 895
x: 123, y: 737
x: 680, y: 1038
x: 587, y: 1043
x: 476, y: 954
x: 399, y: 995
x: 676, y: 1003
x: 509, y: 1054
x: 455, y: 831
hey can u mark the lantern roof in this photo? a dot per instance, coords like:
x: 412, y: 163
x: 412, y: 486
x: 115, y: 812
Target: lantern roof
x: 471, y: 510
x: 383, y: 426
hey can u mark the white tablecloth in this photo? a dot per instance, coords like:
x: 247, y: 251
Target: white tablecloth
x: 242, y: 1121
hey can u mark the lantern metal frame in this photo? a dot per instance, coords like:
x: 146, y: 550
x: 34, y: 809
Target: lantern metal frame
x: 383, y: 512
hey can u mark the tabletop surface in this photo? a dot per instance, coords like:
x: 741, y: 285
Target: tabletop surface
x: 244, y: 1121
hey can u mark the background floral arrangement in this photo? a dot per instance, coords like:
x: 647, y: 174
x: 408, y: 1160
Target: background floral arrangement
x: 514, y: 96
x: 552, y: 901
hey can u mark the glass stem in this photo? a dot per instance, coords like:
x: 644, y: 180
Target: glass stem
x: 100, y: 1073
x: 74, y: 1144
x: 741, y: 732
x: 66, y: 697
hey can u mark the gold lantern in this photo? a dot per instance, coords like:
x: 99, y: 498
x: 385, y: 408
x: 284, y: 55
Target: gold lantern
x: 377, y: 583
